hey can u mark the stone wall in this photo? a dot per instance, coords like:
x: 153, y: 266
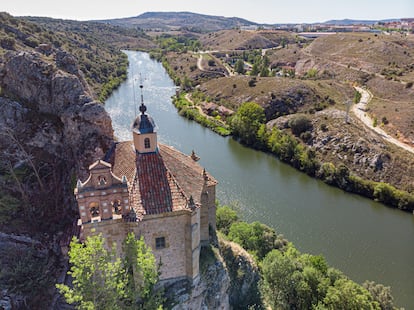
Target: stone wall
x: 179, y: 258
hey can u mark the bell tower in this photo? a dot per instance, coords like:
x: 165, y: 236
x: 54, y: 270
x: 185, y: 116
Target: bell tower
x: 144, y: 131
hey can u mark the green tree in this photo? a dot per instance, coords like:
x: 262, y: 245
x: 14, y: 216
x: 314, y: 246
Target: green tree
x: 239, y: 66
x: 142, y: 273
x: 255, y: 70
x: 255, y: 237
x: 277, y: 286
x: 357, y: 96
x: 264, y: 72
x: 225, y: 217
x: 247, y: 121
x: 347, y: 295
x: 99, y: 281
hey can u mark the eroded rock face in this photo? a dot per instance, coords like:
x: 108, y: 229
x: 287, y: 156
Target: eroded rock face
x: 53, y: 106
x: 51, y: 127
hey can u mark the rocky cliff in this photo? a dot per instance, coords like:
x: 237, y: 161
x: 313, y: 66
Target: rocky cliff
x: 229, y: 280
x: 51, y: 129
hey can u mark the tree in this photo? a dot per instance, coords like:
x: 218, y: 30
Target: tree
x: 381, y: 294
x: 101, y: 280
x: 300, y: 124
x: 142, y: 273
x: 255, y: 70
x: 225, y: 216
x: 239, y: 66
x: 347, y: 295
x: 247, y: 121
x: 255, y: 237
x: 277, y: 285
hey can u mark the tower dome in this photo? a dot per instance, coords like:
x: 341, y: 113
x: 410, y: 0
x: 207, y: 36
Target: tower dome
x: 143, y: 123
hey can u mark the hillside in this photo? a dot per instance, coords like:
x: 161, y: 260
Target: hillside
x: 384, y: 63
x: 314, y: 78
x: 95, y: 46
x: 167, y: 21
x: 245, y: 40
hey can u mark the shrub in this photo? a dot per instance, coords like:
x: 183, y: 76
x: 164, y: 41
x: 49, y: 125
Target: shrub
x: 225, y: 217
x: 252, y: 82
x: 300, y: 124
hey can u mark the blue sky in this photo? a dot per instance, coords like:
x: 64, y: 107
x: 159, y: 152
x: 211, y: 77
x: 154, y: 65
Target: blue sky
x: 262, y: 11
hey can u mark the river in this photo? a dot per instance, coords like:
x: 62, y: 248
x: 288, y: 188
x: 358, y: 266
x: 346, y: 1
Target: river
x: 364, y: 239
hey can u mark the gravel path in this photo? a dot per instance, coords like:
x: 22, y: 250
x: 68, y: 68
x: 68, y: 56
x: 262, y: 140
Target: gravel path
x: 359, y: 110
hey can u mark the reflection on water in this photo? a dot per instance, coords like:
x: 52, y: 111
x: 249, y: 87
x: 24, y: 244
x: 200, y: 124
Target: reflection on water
x: 364, y: 239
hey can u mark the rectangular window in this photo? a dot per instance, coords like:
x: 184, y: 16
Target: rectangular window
x: 147, y: 143
x: 159, y: 243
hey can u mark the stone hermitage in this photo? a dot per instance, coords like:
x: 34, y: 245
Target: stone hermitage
x: 154, y: 191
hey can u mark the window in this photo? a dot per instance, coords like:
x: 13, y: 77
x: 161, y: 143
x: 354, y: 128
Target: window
x: 116, y: 206
x: 159, y: 243
x: 101, y: 180
x: 147, y: 143
x: 94, y: 209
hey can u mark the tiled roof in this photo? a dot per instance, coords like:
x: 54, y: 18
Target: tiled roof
x: 154, y: 189
x: 187, y: 172
x: 122, y: 158
x: 159, y: 182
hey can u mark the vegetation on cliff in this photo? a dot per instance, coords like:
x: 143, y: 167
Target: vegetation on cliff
x: 292, y: 280
x: 102, y: 63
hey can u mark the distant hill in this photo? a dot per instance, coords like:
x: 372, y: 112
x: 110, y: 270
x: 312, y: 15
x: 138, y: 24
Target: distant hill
x: 357, y: 22
x: 180, y: 20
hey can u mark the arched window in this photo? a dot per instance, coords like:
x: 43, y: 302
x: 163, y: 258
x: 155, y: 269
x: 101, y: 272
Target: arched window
x: 94, y: 209
x: 101, y: 180
x: 147, y: 143
x: 116, y: 206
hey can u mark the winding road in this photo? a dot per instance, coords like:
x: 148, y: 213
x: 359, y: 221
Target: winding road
x: 360, y: 109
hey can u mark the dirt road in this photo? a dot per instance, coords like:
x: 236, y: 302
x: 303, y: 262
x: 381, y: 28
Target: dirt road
x: 360, y: 109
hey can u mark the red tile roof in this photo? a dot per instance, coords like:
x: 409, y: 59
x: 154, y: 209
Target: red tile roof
x: 154, y: 189
x: 159, y: 182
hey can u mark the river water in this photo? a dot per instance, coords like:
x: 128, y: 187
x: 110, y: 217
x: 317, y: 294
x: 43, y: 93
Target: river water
x: 364, y: 239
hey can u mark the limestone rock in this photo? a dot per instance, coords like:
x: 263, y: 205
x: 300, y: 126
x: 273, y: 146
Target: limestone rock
x: 48, y: 121
x: 244, y: 275
x: 210, y: 292
x: 38, y: 83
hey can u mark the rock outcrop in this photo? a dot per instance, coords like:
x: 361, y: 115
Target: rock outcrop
x: 50, y: 131
x: 50, y: 106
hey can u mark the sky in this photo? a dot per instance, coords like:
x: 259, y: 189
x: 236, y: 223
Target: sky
x: 260, y: 11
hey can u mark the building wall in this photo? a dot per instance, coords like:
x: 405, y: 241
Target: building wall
x: 212, y: 206
x: 103, y: 198
x: 180, y: 257
x: 208, y: 212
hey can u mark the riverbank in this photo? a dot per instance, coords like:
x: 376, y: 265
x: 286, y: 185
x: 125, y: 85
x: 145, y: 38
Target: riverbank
x: 290, y: 150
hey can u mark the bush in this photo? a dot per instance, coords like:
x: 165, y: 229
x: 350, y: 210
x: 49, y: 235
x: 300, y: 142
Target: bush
x: 252, y: 82
x: 300, y: 124
x: 225, y: 217
x: 257, y: 238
